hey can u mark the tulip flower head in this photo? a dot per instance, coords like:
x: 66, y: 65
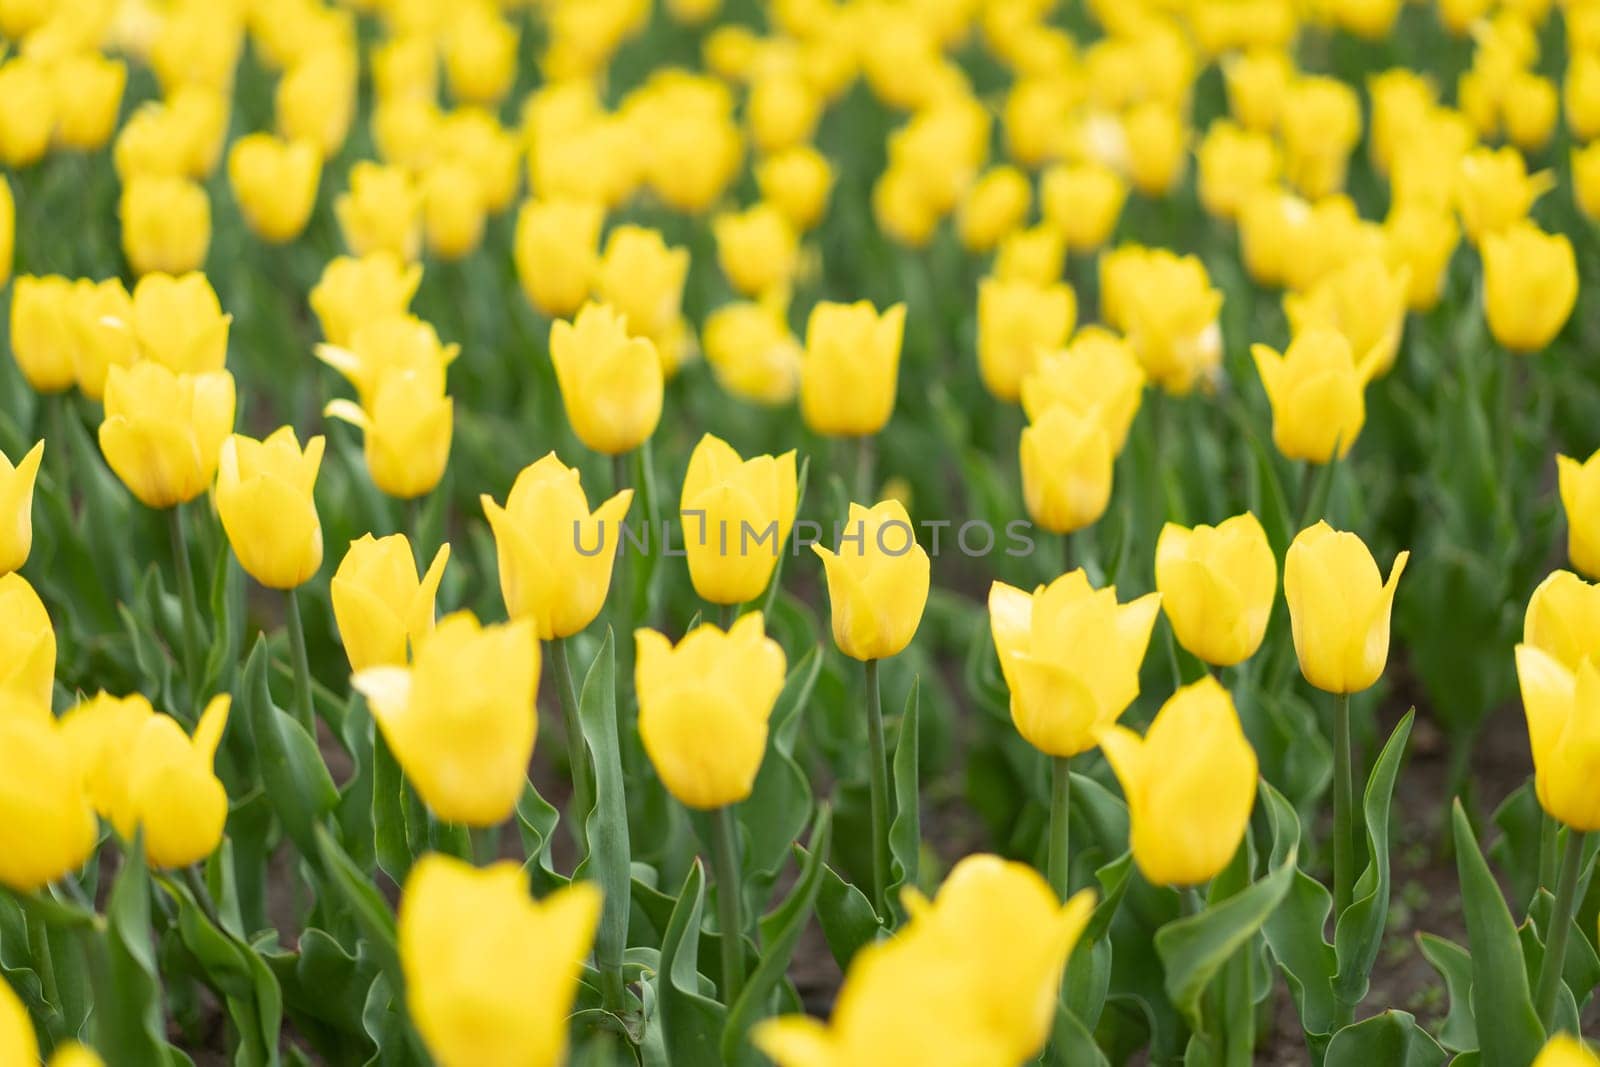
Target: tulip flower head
x: 1066, y: 459
x: 1530, y: 285
x: 357, y: 290
x: 851, y: 368
x: 1564, y: 1050
x: 757, y: 249
x: 16, y: 508
x: 877, y: 581
x: 398, y: 344
x: 100, y: 315
x: 27, y: 644
x: 166, y: 224
x: 797, y: 181
x: 751, y: 350
x: 163, y: 432
x: 171, y: 792
x: 1171, y: 315
x: 47, y: 825
x: 380, y: 605
x: 610, y: 378
x: 179, y: 323
x: 1096, y: 374
x: 264, y: 498
x: 1217, y: 586
x: 1018, y: 322
x: 102, y: 731
x: 1339, y: 607
x: 1083, y: 202
x: 1365, y: 300
x: 557, y: 253
x: 1235, y: 163
x: 1494, y: 190
x: 275, y: 184
x: 407, y: 430
x: 642, y: 278
x: 381, y: 212
x: 1316, y: 393
x: 995, y: 205
x: 42, y: 336
x: 736, y: 516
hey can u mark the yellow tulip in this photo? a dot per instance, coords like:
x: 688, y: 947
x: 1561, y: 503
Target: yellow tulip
x: 27, y: 644
x: 1217, y: 585
x: 1315, y: 389
x: 197, y: 45
x: 555, y: 555
x: 1097, y: 374
x: 1422, y: 240
x: 1268, y: 221
x: 473, y: 138
x: 179, y: 138
x: 166, y: 224
x: 1586, y: 179
x: 877, y: 581
x: 1339, y: 608
x: 480, y: 54
x: 1320, y: 123
x: 1083, y: 202
x: 1070, y: 655
x: 18, y: 1043
x: 1563, y: 619
x: 460, y: 720
x: 1172, y: 324
x: 405, y: 131
x: 1561, y: 702
x: 597, y: 160
x: 736, y: 516
x: 1458, y: 16
x: 407, y: 429
x: 394, y: 344
x: 1158, y: 147
x: 756, y: 249
x: 1530, y: 107
x: 751, y: 350
x: 47, y: 825
x: 1066, y: 459
x: 1402, y: 101
x: 1190, y: 783
x: 163, y: 432
x: 703, y: 708
x: 275, y: 184
x: 995, y: 205
x: 490, y: 973
x: 315, y: 98
x: 27, y: 111
x: 1365, y: 300
x: 87, y: 91
x: 381, y: 212
x: 453, y: 211
x: 1017, y: 323
x: 691, y: 156
x: 610, y: 379
x: 1494, y: 190
x: 901, y: 210
x: 1530, y: 285
x: 1235, y: 164
x: 100, y: 315
x: 851, y: 368
x: 101, y: 732
x: 797, y: 181
x: 556, y: 250
x: 1581, y: 93
x: 405, y: 66
x: 380, y: 605
x: 356, y: 290
x: 264, y: 497
x: 782, y: 108
x: 179, y: 323
x: 16, y: 508
x: 1037, y: 254
x: 1564, y: 1050
x: 171, y: 792
x: 1256, y: 83
x: 643, y: 280
x: 1580, y: 499
x: 42, y: 338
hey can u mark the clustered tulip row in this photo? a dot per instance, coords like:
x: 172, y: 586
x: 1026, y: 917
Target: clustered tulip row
x: 917, y: 243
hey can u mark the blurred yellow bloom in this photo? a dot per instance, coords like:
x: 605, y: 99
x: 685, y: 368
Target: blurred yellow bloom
x: 851, y: 368
x: 380, y: 605
x: 275, y: 184
x: 1320, y: 123
x: 1316, y: 393
x: 797, y: 181
x: 1158, y: 147
x: 751, y: 350
x: 170, y: 792
x: 1581, y: 94
x: 47, y: 825
x: 1097, y: 374
x: 1172, y: 323
x: 610, y: 379
x: 355, y: 290
x: 1402, y: 102
x: 316, y: 99
x: 995, y: 205
x: 1018, y: 321
x: 900, y: 208
x: 736, y: 516
x: 16, y: 508
x: 461, y: 719
x: 405, y: 66
x: 473, y: 138
x: 555, y: 556
x: 1269, y: 219
x: 1256, y: 83
x: 480, y: 54
x: 166, y: 224
x: 1422, y: 240
x: 490, y: 973
x: 1365, y: 300
x: 1458, y: 16
x: 693, y: 11
x: 877, y: 581
x: 757, y: 249
x: 1494, y: 190
x: 88, y: 94
x: 1580, y: 498
x: 1327, y: 237
x: 1372, y: 19
x: 1339, y: 608
x: 381, y: 212
x: 1530, y: 285
x: 42, y: 337
x: 19, y: 18
x: 264, y: 498
x: 1217, y: 586
x: 101, y: 732
x: 941, y: 149
x: 178, y: 322
x: 1066, y: 460
x: 642, y: 278
x: 1083, y: 202
x: 27, y: 111
x: 100, y: 316
x: 691, y: 153
x: 8, y: 230
x: 453, y: 211
x: 396, y: 343
x: 1037, y: 118
x: 557, y: 253
x: 704, y: 706
x: 1586, y: 180
x: 1070, y: 655
x: 197, y: 45
x: 1530, y: 109
x: 1037, y: 254
x: 1563, y: 619
x: 1190, y: 783
x: 163, y: 432
x: 598, y: 160
x: 407, y: 428
x: 1235, y: 164
x: 782, y: 109
x: 405, y: 131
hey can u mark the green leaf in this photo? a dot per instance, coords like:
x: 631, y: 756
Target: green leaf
x: 691, y: 1022
x: 248, y: 988
x: 391, y: 840
x: 364, y: 902
x: 802, y: 478
x: 780, y: 931
x: 1391, y: 1039
x: 608, y: 861
x: 905, y: 831
x: 1499, y: 973
x: 1294, y: 934
x: 1071, y: 1042
x: 1359, y: 932
x: 1516, y: 851
x: 537, y: 819
x: 1459, y: 1031
x: 129, y: 1022
x: 779, y: 806
x: 847, y: 919
x: 296, y: 780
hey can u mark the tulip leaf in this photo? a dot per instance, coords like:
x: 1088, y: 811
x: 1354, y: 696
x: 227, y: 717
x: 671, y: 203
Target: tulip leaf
x: 1071, y: 1042
x: 536, y: 822
x: 802, y: 478
x: 779, y: 806
x: 366, y: 904
x: 1499, y: 973
x: 847, y: 919
x: 41, y: 906
x: 1266, y: 495
x: 1459, y: 1031
x: 1294, y: 934
x: 1358, y: 933
x: 128, y: 1015
x: 1516, y: 851
x: 780, y: 931
x: 905, y: 831
x: 1391, y: 1038
x: 391, y: 841
x: 296, y: 780
x: 691, y: 1022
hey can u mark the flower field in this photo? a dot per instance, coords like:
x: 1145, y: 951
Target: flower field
x: 823, y: 533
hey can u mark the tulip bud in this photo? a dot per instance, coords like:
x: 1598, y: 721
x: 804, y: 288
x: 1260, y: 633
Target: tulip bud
x: 180, y: 138
x: 782, y: 109
x: 316, y: 99
x: 1580, y: 499
x: 407, y: 429
x: 1563, y: 619
x: 611, y: 380
x: 1070, y: 655
x: 264, y: 498
x: 1235, y: 164
x: 901, y: 210
x: 166, y: 224
x: 751, y: 350
x: 692, y: 159
x: 797, y: 181
x: 47, y: 826
x: 555, y: 556
x: 1530, y: 285
x: 87, y: 90
x: 172, y: 794
x: 1066, y: 460
x: 179, y: 323
x: 1082, y: 202
x: 1171, y: 315
x: 851, y: 366
x: 736, y: 516
x: 354, y: 291
x: 1190, y: 783
x: 1315, y: 390
x: 1339, y: 608
x: 405, y: 66
x: 703, y: 708
x: 275, y: 184
x: 1494, y: 190
x: 1581, y: 91
x: 27, y: 113
x: 877, y: 581
x: 1256, y: 83
x: 1037, y: 254
x: 1530, y: 108
x: 1217, y: 586
x: 378, y: 602
x: 42, y: 339
x: 1402, y: 102
x: 643, y: 280
x: 490, y: 973
x: 1320, y: 123
x: 461, y: 720
x: 1158, y: 147
x: 452, y: 210
x: 163, y: 432
x: 16, y: 508
x: 1017, y: 323
x: 557, y: 253
x: 480, y: 55
x: 1096, y: 375
x: 381, y: 212
x: 756, y: 249
x: 1562, y: 705
x: 1365, y: 300
x: 995, y: 205
x: 1422, y: 240
x: 27, y: 644
x: 100, y: 315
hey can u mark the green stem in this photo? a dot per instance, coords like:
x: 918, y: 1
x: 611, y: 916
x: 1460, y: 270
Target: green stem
x: 1343, y: 807
x: 191, y: 604
x: 1555, y: 947
x: 727, y: 615
x: 725, y: 866
x: 577, y: 751
x: 864, y: 471
x: 619, y: 472
x: 878, y: 782
x: 1060, y: 795
x: 302, y: 666
x: 202, y: 896
x: 39, y: 949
